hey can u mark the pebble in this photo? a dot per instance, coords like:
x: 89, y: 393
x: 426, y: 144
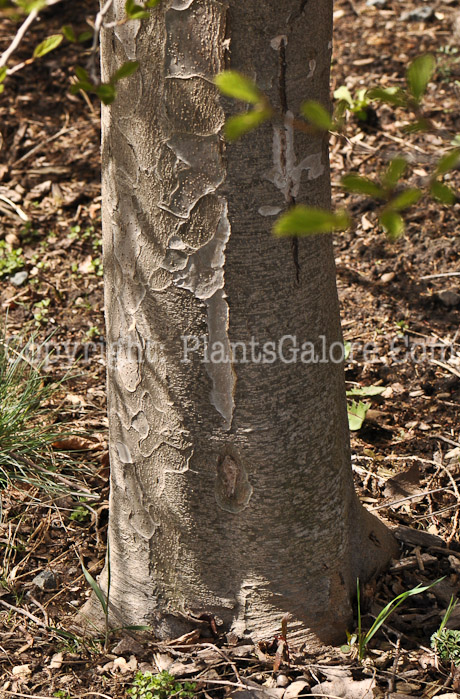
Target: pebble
x: 419, y: 14
x: 46, y: 580
x: 19, y: 278
x: 449, y: 297
x: 387, y: 277
x: 282, y: 681
x: 379, y: 4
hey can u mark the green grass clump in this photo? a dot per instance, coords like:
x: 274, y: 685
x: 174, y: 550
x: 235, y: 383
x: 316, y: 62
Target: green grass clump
x: 28, y: 425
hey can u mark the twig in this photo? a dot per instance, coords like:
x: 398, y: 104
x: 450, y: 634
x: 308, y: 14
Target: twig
x: 97, y: 30
x: 438, y: 276
x: 447, y: 367
x: 31, y: 17
x: 33, y: 618
x: 40, y: 145
x: 17, y: 209
x: 422, y: 493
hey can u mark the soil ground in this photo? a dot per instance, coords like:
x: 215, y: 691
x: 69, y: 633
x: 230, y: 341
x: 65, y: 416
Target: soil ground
x: 400, y: 311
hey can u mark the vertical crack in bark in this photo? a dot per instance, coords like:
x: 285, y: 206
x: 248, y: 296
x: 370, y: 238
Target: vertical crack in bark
x: 284, y: 109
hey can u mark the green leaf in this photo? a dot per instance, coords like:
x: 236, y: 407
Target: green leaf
x: 125, y: 70
x: 240, y: 124
x: 96, y: 589
x: 405, y: 199
x: 357, y: 414
x: 393, y: 223
x: 82, y: 74
x: 343, y: 93
x: 152, y: 3
x: 448, y: 162
x: 85, y: 36
x: 366, y: 391
x: 106, y: 93
x: 419, y: 74
x: 394, y: 172
x: 234, y: 84
x: 69, y: 33
x: 315, y: 113
x: 442, y: 192
x: 362, y: 185
x: 47, y: 45
x: 134, y: 11
x: 389, y: 95
x: 31, y: 5
x: 3, y: 73
x: 305, y: 220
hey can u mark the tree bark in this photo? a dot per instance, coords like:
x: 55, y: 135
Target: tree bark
x: 231, y: 485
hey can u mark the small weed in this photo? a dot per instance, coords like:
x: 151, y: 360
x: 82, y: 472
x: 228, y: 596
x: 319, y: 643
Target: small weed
x: 41, y: 312
x: 11, y: 261
x: 446, y: 642
x: 160, y: 686
x: 79, y: 514
x: 358, y: 641
x: 92, y: 333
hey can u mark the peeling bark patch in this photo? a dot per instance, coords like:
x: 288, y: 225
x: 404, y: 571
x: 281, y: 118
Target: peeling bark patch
x: 192, y: 51
x: 123, y: 453
x: 203, y: 275
x: 232, y: 488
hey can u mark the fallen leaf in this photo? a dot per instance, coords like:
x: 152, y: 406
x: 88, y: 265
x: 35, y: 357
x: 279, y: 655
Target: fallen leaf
x: 405, y: 484
x: 56, y: 661
x: 75, y: 444
x: 295, y: 689
x: 345, y: 687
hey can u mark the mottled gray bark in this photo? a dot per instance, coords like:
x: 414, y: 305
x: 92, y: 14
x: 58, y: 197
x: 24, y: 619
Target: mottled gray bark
x: 231, y: 489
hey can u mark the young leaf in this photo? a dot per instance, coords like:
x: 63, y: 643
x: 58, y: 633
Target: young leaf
x: 305, y: 220
x: 357, y: 414
x: 69, y: 33
x: 96, y: 589
x: 134, y: 11
x: 419, y: 74
x: 106, y: 93
x: 448, y: 162
x: 442, y: 192
x: 234, y: 84
x: 152, y: 3
x: 362, y: 185
x: 393, y: 223
x: 343, y: 93
x: 394, y: 172
x: 3, y: 73
x: 30, y: 5
x: 82, y: 74
x: 85, y: 36
x: 389, y: 95
x: 405, y: 199
x: 366, y: 391
x: 125, y: 70
x: 47, y: 45
x: 315, y: 113
x: 236, y: 126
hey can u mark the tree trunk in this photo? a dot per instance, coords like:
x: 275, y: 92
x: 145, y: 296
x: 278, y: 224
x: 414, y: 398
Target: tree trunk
x: 231, y: 490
